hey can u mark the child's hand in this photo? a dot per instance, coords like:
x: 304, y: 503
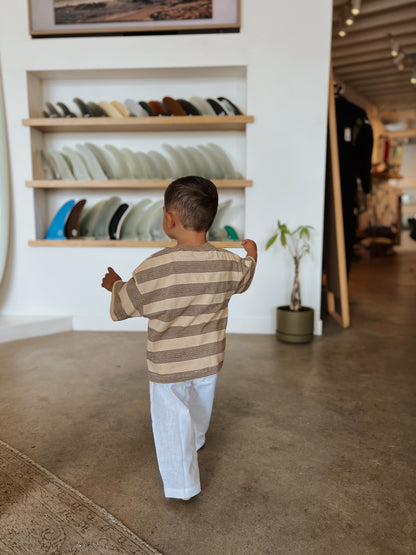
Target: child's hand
x: 250, y: 247
x: 109, y: 279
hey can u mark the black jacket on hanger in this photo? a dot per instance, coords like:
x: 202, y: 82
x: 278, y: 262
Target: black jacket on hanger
x: 355, y: 146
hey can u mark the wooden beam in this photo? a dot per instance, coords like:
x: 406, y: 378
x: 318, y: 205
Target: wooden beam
x: 380, y: 55
x: 371, y: 46
x: 386, y: 88
x: 361, y: 68
x: 383, y: 19
x: 365, y: 56
x: 403, y: 95
x: 406, y: 133
x: 398, y: 78
x: 397, y: 30
x: 376, y: 5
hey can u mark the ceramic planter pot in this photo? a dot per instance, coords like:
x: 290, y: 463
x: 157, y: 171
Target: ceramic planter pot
x: 295, y: 326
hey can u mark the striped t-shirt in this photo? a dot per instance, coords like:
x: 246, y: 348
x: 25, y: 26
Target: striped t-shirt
x: 184, y: 292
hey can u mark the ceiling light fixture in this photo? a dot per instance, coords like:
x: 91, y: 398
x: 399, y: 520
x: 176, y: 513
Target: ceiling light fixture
x: 399, y: 58
x: 413, y: 77
x: 348, y: 18
x: 394, y: 48
x: 399, y: 61
x: 355, y: 7
x: 340, y: 27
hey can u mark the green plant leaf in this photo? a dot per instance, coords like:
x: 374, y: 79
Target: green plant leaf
x: 305, y: 231
x: 282, y: 227
x: 271, y: 241
x: 296, y: 241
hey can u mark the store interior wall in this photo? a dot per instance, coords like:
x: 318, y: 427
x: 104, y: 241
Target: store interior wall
x: 408, y: 168
x: 287, y: 92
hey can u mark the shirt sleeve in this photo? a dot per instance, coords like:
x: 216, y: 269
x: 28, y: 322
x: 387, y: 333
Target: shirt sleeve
x: 126, y: 300
x: 248, y: 266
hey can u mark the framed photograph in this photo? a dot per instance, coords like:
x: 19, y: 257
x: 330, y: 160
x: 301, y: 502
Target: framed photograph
x: 51, y: 18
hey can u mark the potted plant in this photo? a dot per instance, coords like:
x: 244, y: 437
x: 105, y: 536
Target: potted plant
x: 294, y: 321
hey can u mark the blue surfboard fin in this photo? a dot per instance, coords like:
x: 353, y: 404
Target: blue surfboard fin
x: 57, y: 228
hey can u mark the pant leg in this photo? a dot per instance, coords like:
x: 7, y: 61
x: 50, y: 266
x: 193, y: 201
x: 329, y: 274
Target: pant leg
x: 174, y: 437
x: 202, y: 393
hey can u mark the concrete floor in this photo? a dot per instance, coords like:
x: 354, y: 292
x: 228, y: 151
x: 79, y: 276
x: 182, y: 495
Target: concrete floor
x: 311, y: 448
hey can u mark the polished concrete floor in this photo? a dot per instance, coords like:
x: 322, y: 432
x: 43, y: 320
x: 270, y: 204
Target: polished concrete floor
x: 311, y: 448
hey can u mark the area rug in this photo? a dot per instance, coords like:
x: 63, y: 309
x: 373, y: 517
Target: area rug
x: 40, y: 514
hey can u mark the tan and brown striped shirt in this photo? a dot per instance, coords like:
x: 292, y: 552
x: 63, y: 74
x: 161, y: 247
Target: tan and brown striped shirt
x: 184, y: 292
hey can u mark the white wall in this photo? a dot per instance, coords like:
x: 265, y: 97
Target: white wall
x: 408, y: 167
x: 286, y: 48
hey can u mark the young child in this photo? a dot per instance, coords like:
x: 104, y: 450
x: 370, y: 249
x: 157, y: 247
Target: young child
x: 184, y: 292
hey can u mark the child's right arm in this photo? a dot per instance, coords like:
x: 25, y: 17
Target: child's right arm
x: 126, y: 299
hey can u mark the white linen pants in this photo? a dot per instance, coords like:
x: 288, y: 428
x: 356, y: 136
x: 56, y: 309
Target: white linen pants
x: 181, y: 413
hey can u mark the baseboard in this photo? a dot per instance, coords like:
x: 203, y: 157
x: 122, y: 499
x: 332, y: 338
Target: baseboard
x: 13, y: 328
x: 251, y: 325
x: 98, y: 322
x: 264, y: 325
x: 317, y: 326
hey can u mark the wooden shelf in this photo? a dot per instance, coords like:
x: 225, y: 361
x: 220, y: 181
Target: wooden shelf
x: 127, y: 184
x: 384, y: 176
x: 404, y: 134
x: 157, y: 123
x: 120, y: 243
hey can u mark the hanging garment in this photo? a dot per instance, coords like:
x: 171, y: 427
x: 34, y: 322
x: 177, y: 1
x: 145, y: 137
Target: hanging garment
x: 355, y: 146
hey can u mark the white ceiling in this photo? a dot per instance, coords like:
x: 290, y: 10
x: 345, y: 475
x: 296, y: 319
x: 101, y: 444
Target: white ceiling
x: 362, y: 59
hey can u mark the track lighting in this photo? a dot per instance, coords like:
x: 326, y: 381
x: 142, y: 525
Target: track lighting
x: 340, y: 28
x: 348, y: 18
x: 355, y: 7
x: 399, y: 64
x: 398, y: 60
x: 345, y: 16
x: 394, y: 48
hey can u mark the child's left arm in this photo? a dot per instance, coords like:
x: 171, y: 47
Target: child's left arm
x: 251, y: 248
x: 109, y: 279
x: 247, y: 266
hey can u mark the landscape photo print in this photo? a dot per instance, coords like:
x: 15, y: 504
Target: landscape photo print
x: 63, y: 18
x: 70, y: 12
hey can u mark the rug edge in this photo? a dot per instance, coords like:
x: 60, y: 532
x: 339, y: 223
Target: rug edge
x: 85, y: 499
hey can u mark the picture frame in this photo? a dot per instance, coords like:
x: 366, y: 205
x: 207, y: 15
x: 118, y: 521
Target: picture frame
x: 63, y: 18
